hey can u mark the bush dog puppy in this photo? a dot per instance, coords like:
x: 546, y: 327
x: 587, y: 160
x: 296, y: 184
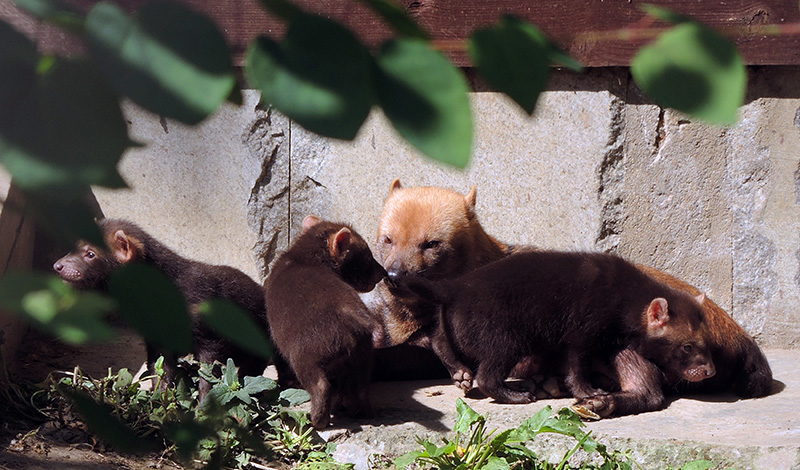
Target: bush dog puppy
x: 319, y: 323
x: 589, y: 306
x: 90, y: 267
x: 434, y: 233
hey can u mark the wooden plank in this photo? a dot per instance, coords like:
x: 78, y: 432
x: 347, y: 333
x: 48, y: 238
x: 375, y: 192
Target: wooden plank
x: 589, y: 30
x: 17, y: 233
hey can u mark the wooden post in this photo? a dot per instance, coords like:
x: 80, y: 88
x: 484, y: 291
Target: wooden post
x: 17, y: 233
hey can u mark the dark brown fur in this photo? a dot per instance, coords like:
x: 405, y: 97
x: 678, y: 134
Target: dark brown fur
x: 319, y: 323
x: 741, y: 365
x: 589, y: 306
x: 89, y: 267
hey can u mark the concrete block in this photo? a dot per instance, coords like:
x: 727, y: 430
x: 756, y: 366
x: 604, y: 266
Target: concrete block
x: 764, y: 164
x: 537, y: 177
x: 675, y: 207
x: 718, y: 206
x: 190, y: 186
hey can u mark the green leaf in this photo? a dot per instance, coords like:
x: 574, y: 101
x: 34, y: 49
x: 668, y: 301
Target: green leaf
x: 152, y: 304
x: 169, y: 59
x: 431, y: 449
x: 59, y: 13
x: 45, y: 300
x: 514, y: 59
x: 501, y: 439
x: 397, y: 17
x: 466, y: 417
x: 294, y: 397
x: 123, y: 380
x: 694, y: 70
x: 407, y: 459
x: 229, y: 320
x: 533, y: 425
x: 256, y: 385
x: 230, y: 376
x: 101, y: 421
x: 697, y: 465
x: 520, y: 451
x: 496, y: 463
x: 223, y: 395
x: 319, y: 75
x: 425, y: 98
x: 243, y: 396
x: 66, y: 130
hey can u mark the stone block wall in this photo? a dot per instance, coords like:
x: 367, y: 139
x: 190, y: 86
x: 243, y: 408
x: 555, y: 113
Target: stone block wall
x: 598, y: 167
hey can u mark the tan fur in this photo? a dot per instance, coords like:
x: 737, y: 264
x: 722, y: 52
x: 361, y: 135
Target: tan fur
x: 412, y: 219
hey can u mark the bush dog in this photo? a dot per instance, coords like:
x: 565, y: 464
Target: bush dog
x: 588, y: 306
x: 90, y: 267
x: 319, y: 323
x: 431, y: 233
x: 434, y: 233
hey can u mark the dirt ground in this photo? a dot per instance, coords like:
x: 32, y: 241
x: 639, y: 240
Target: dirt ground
x: 32, y: 442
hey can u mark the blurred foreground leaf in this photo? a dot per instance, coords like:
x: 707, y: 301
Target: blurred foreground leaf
x: 694, y: 70
x: 167, y: 58
x: 425, y: 97
x: 59, y: 13
x: 513, y: 58
x: 152, y: 304
x: 230, y: 321
x: 66, y: 129
x: 317, y: 75
x: 102, y: 422
x: 73, y: 316
x: 397, y: 17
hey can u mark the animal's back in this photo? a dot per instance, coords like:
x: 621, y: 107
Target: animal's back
x: 539, y: 300
x: 313, y: 312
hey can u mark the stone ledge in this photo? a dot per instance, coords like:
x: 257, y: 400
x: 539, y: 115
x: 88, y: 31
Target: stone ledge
x: 734, y: 434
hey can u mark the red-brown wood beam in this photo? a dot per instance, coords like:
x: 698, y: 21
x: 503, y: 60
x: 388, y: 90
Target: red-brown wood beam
x: 592, y: 31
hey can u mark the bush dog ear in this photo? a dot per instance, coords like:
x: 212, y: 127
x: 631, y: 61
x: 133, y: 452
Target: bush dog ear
x: 657, y: 315
x: 469, y: 200
x: 339, y: 243
x: 700, y: 298
x: 125, y: 248
x: 310, y: 221
x: 395, y: 185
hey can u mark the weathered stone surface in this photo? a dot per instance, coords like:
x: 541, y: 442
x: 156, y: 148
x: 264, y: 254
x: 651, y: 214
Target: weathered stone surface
x: 676, y: 212
x: 537, y: 177
x: 267, y: 139
x: 189, y: 186
x: 718, y: 206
